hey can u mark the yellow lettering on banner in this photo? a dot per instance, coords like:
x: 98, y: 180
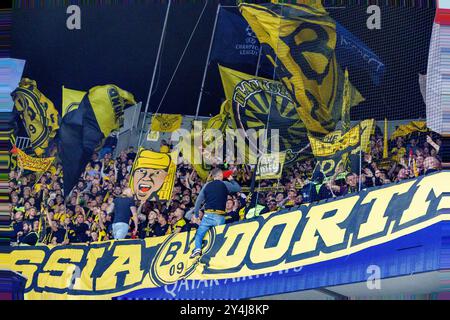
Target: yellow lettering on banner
x: 28, y: 260
x: 419, y: 204
x: 63, y: 281
x: 376, y: 220
x: 128, y: 259
x: 224, y: 261
x: 85, y: 281
x: 327, y: 228
x: 259, y: 253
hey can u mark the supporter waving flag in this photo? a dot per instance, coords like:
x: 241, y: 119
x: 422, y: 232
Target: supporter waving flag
x: 84, y: 129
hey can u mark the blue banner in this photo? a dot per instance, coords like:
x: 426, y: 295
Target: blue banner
x: 235, y: 43
x: 353, y: 54
x: 408, y: 255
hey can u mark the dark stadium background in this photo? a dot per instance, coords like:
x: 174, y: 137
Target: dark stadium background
x: 118, y: 44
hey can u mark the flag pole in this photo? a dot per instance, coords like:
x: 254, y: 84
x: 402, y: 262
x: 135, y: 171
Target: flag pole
x: 154, y: 72
x: 207, y: 63
x: 259, y: 60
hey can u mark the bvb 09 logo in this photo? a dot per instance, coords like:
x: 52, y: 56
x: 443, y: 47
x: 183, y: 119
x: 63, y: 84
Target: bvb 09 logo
x: 172, y: 263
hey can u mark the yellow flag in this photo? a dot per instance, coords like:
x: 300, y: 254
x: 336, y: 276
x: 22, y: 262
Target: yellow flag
x: 406, y: 129
x: 71, y: 99
x: 191, y: 146
x: 345, y: 113
x: 300, y: 42
x: 108, y: 103
x: 367, y: 129
x: 258, y: 104
x: 335, y: 149
x: 166, y: 122
x: 220, y: 121
x: 385, y: 140
x: 270, y: 166
x: 38, y: 113
x: 27, y: 162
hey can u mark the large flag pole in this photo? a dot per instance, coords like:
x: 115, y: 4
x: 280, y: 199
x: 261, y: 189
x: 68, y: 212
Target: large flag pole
x: 259, y: 60
x: 154, y: 72
x: 207, y: 63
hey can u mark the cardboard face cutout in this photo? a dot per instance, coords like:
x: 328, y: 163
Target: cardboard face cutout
x: 153, y: 175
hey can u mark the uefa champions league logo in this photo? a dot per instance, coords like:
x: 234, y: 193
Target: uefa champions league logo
x: 251, y: 37
x: 250, y: 32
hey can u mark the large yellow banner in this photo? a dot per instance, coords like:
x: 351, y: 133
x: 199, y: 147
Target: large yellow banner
x: 305, y: 235
x: 300, y: 41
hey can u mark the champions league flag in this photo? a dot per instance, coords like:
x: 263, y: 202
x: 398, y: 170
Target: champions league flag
x: 235, y: 43
x: 84, y: 129
x: 300, y: 40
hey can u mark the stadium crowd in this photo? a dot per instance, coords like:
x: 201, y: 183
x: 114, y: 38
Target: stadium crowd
x: 40, y: 215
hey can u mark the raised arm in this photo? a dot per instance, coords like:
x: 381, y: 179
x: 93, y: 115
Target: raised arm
x: 433, y: 144
x: 232, y: 185
x: 199, y: 201
x: 135, y: 218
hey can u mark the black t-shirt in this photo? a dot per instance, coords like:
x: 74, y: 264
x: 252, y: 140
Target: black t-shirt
x: 160, y: 230
x: 146, y: 231
x: 59, y: 234
x: 189, y: 226
x: 131, y: 156
x: 232, y: 216
x: 80, y: 232
x: 122, y: 211
x: 95, y: 162
x: 18, y: 226
x: 30, y: 238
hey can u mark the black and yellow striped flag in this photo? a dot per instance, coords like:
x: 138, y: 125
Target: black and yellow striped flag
x: 300, y: 41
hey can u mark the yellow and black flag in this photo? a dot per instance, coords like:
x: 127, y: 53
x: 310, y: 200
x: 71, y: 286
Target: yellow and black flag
x: 406, y: 129
x: 71, y: 100
x: 192, y: 148
x: 342, y: 147
x: 166, y: 122
x: 39, y: 116
x: 83, y: 130
x: 300, y: 41
x: 259, y: 104
x: 334, y: 149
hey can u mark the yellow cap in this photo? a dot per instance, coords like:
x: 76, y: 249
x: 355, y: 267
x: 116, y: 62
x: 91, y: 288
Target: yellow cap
x: 152, y: 160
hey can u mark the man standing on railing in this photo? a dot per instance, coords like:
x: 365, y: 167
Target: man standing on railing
x: 124, y: 208
x: 214, y: 194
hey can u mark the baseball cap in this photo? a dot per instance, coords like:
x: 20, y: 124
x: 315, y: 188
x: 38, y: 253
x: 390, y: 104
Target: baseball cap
x: 227, y: 173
